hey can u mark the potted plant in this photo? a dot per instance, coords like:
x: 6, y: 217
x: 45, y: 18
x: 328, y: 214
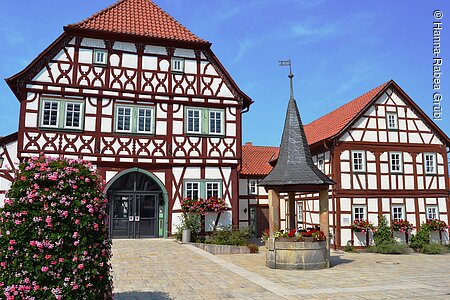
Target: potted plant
x: 364, y: 227
x: 437, y: 225
x: 403, y: 226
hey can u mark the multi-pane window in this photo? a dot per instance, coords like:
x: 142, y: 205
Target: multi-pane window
x: 145, y: 120
x: 50, y: 113
x: 430, y: 163
x: 321, y: 164
x: 397, y: 213
x: 396, y: 162
x: 392, y: 121
x: 73, y: 115
x: 193, y: 120
x: 212, y: 189
x: 432, y: 212
x: 215, y: 122
x: 61, y: 114
x: 134, y: 119
x: 124, y: 118
x: 300, y: 213
x: 359, y: 161
x: 201, y: 188
x: 359, y: 213
x: 253, y: 187
x: 177, y: 65
x: 100, y: 57
x: 192, y: 190
x: 204, y: 121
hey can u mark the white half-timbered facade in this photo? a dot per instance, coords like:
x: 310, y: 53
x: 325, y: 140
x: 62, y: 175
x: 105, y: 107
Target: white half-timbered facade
x: 153, y: 109
x: 386, y: 157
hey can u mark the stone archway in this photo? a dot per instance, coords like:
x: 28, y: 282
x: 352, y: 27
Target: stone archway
x: 138, y: 205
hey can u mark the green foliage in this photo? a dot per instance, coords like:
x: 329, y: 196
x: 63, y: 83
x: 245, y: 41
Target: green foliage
x: 433, y: 248
x: 350, y: 249
x: 54, y: 233
x: 193, y: 222
x: 392, y: 248
x: 229, y: 237
x: 422, y: 237
x: 382, y: 235
x: 253, y: 248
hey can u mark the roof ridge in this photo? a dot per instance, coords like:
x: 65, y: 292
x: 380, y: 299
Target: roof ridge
x: 351, y: 101
x: 98, y: 13
x: 139, y: 18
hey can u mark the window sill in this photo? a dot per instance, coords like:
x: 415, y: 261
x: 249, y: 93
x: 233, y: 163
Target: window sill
x: 205, y: 135
x: 60, y: 129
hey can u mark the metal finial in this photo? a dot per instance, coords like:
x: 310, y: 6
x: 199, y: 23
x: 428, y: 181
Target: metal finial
x: 288, y: 63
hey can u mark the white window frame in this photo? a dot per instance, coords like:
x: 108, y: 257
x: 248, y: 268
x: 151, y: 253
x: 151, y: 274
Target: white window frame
x: 152, y: 114
x: 192, y: 189
x: 321, y: 164
x: 221, y: 121
x: 400, y: 154
x: 51, y: 101
x: 436, y: 212
x: 300, y: 219
x: 425, y: 166
x: 177, y: 64
x: 193, y: 124
x: 253, y: 187
x: 364, y: 213
x: 117, y: 118
x: 363, y: 161
x: 388, y: 124
x: 403, y: 216
x: 95, y: 59
x: 80, y: 117
x: 215, y: 186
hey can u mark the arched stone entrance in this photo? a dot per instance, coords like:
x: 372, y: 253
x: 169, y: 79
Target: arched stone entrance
x: 138, y: 205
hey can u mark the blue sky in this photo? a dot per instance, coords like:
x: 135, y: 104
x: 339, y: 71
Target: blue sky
x: 339, y: 49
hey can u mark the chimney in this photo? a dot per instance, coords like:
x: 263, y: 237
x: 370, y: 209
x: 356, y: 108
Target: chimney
x: 249, y: 144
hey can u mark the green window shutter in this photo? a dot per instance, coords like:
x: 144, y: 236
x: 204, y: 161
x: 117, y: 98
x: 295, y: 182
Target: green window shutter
x: 61, y: 114
x: 202, y: 187
x: 205, y: 121
x: 134, y: 114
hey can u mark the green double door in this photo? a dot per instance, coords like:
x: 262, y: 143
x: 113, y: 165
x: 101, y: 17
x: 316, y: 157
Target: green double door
x: 134, y: 215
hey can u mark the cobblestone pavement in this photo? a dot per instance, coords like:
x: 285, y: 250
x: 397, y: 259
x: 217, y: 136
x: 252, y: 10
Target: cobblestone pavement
x: 164, y: 269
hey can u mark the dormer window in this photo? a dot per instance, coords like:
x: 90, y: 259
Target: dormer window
x: 178, y: 65
x: 391, y: 119
x: 100, y: 57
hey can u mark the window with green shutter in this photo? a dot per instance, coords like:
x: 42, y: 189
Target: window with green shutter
x: 204, y: 121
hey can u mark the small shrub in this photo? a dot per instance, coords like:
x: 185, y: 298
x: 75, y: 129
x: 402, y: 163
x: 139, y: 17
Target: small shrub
x: 392, y: 248
x: 350, y: 249
x: 54, y: 233
x: 193, y: 222
x: 421, y: 238
x: 433, y: 248
x: 382, y: 236
x: 253, y: 248
x: 229, y: 237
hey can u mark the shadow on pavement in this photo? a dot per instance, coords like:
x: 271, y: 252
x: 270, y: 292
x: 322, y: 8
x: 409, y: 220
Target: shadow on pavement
x: 141, y: 296
x: 337, y: 260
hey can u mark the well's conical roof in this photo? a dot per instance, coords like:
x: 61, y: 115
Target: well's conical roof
x: 295, y: 165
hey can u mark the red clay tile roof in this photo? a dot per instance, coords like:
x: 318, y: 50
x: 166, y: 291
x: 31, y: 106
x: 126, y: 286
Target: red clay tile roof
x: 138, y: 17
x: 255, y: 159
x: 332, y: 123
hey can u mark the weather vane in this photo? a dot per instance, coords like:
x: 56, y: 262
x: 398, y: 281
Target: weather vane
x: 288, y: 63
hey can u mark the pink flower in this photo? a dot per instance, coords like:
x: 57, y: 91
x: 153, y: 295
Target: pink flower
x: 12, y: 242
x: 77, y: 222
x: 44, y: 269
x: 80, y: 266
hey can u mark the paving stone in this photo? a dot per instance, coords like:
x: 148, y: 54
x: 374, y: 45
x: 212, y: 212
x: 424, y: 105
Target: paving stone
x: 165, y: 269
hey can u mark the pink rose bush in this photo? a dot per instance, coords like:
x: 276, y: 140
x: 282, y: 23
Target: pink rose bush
x: 54, y: 233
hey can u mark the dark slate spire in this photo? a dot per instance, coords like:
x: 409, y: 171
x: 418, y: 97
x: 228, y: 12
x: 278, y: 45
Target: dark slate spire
x: 294, y: 165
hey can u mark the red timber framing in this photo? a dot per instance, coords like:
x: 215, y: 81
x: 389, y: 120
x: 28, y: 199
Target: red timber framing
x: 138, y: 73
x: 377, y: 188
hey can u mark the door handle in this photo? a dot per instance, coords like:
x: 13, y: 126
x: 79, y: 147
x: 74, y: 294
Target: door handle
x: 137, y: 218
x: 131, y: 218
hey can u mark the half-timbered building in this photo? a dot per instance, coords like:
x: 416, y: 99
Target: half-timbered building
x: 148, y: 103
x: 386, y: 156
